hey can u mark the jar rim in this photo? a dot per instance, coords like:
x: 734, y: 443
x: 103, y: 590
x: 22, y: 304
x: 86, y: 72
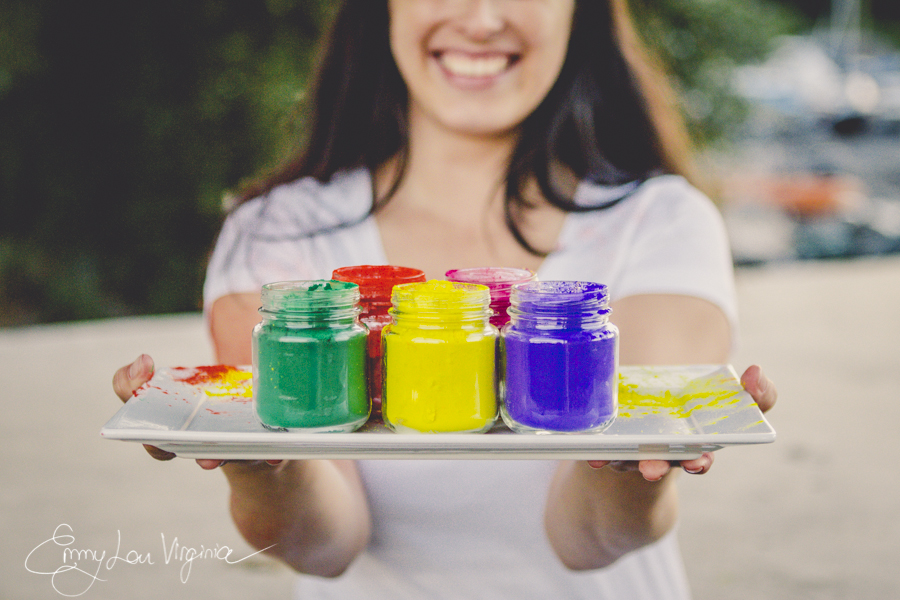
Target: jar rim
x: 377, y: 281
x: 562, y: 291
x: 309, y: 295
x: 440, y: 295
x: 309, y: 285
x: 491, y: 276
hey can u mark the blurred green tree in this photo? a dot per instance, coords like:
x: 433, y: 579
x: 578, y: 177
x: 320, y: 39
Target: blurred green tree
x: 700, y: 42
x: 123, y: 125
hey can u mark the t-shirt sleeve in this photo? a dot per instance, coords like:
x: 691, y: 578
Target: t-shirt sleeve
x: 299, y: 231
x: 246, y: 255
x: 224, y: 273
x: 679, y: 245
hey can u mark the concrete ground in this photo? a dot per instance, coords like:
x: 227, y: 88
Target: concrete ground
x: 812, y: 516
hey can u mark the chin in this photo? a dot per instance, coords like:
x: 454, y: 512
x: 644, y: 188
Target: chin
x: 482, y: 125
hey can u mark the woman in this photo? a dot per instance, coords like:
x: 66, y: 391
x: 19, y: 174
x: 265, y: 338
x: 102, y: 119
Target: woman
x: 455, y: 133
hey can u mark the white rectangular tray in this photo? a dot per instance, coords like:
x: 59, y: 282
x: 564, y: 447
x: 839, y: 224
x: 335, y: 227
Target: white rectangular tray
x: 669, y: 413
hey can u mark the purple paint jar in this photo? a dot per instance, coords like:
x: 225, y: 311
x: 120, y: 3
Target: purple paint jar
x: 499, y: 280
x: 560, y: 355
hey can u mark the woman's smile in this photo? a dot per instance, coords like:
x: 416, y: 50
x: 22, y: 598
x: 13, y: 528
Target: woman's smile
x: 478, y: 68
x: 474, y: 66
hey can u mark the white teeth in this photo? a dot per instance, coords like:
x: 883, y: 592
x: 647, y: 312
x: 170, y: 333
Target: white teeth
x: 474, y: 66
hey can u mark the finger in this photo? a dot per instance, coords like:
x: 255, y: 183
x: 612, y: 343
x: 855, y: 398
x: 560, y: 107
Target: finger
x: 698, y: 466
x: 597, y: 464
x: 209, y: 464
x: 128, y: 379
x: 158, y: 453
x: 131, y: 377
x: 623, y: 466
x: 760, y: 387
x: 654, y: 470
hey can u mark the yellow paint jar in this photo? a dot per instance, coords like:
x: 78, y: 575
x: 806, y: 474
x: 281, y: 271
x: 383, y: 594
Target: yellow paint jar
x: 439, y: 352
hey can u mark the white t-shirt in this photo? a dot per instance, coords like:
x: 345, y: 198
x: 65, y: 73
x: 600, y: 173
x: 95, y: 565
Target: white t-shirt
x: 474, y: 529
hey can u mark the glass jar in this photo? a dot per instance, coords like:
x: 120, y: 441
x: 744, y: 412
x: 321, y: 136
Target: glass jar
x: 309, y: 354
x: 560, y: 359
x: 500, y: 281
x: 439, y: 359
x: 375, y: 284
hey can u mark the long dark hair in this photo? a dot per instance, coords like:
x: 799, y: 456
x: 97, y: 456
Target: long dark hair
x: 608, y: 117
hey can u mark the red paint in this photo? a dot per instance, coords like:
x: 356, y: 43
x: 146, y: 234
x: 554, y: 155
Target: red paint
x: 376, y: 281
x: 209, y: 374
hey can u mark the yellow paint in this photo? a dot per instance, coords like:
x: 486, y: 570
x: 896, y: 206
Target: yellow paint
x: 439, y: 370
x: 217, y: 381
x: 234, y: 384
x: 708, y: 393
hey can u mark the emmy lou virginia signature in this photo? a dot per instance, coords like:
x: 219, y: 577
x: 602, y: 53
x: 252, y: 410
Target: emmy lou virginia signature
x: 79, y: 568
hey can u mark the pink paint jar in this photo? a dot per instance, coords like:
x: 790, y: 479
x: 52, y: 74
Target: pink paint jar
x: 500, y: 280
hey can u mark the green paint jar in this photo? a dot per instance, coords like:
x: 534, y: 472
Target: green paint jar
x: 309, y: 357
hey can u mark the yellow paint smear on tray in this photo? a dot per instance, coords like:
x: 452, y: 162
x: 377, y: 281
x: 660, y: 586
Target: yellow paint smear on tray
x: 219, y: 381
x: 681, y: 404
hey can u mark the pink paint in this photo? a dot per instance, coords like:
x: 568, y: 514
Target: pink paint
x: 500, y: 280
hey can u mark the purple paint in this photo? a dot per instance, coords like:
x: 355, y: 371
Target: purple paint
x: 560, y: 358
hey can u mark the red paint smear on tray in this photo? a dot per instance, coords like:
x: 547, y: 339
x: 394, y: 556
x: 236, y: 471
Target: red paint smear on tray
x: 148, y: 386
x: 209, y: 374
x: 218, y: 381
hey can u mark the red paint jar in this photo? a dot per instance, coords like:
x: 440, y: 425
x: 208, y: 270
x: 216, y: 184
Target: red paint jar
x: 375, y: 284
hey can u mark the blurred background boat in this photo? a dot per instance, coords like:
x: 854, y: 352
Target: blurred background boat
x: 815, y: 170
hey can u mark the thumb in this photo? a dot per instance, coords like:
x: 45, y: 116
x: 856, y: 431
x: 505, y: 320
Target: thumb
x: 130, y: 377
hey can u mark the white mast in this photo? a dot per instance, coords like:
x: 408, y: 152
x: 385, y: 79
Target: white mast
x: 845, y: 32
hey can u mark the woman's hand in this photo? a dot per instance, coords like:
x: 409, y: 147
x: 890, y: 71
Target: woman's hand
x: 760, y: 388
x: 594, y: 516
x: 127, y: 380
x: 312, y: 514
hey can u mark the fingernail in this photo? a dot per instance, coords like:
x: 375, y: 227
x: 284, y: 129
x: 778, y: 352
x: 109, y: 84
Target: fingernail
x: 135, y: 368
x: 696, y: 471
x: 143, y: 363
x: 762, y: 382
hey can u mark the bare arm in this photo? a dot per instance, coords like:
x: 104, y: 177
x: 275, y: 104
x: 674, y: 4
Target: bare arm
x: 311, y: 514
x: 594, y: 516
x: 314, y: 511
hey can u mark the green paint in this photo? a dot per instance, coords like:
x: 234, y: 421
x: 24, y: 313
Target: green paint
x: 309, y: 358
x: 312, y: 379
